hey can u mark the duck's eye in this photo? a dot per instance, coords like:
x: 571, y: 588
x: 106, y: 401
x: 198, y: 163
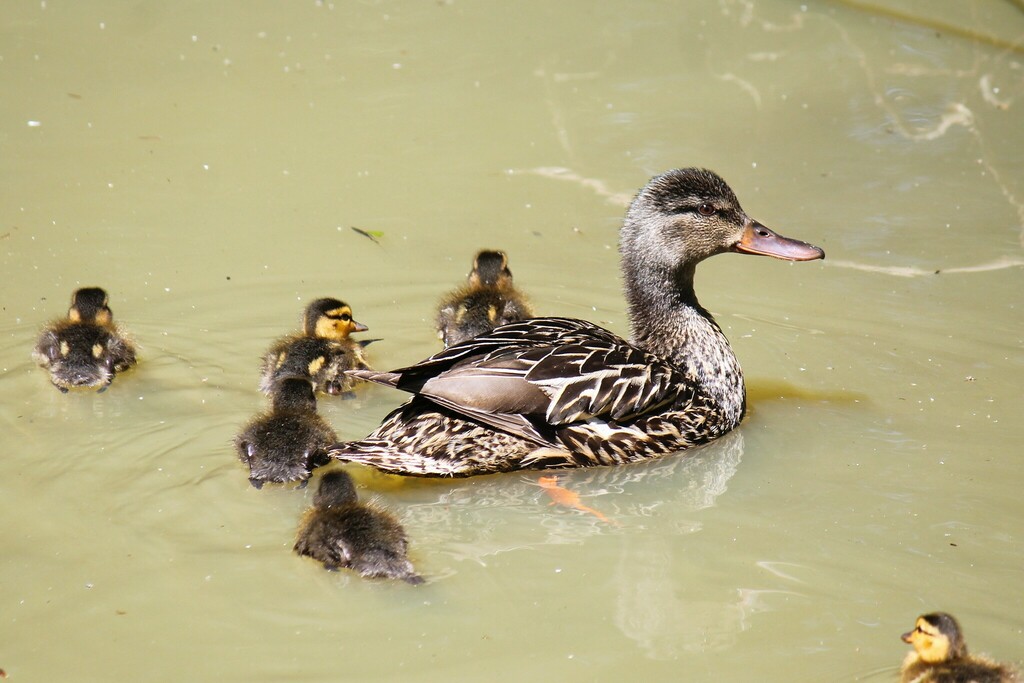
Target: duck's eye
x: 345, y: 316
x: 706, y: 209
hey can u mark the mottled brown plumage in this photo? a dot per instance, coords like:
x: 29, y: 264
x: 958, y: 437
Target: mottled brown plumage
x: 560, y: 392
x: 339, y: 531
x: 287, y: 442
x: 85, y: 349
x: 322, y: 352
x: 488, y: 299
x: 940, y: 655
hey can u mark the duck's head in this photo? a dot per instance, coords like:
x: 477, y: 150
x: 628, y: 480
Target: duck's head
x: 936, y: 638
x: 490, y: 269
x: 687, y: 215
x: 336, y: 488
x: 330, y: 319
x: 81, y: 365
x: 293, y: 393
x: 89, y: 304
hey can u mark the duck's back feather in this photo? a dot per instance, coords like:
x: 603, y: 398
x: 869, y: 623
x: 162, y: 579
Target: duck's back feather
x: 556, y: 371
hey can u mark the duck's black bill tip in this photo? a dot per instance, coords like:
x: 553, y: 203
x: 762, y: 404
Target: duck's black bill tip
x: 760, y: 241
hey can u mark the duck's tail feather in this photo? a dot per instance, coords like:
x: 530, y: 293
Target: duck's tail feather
x: 389, y: 379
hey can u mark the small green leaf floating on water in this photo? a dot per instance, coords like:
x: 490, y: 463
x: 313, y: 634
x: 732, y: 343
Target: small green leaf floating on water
x: 371, y: 234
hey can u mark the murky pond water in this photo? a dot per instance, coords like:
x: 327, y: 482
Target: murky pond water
x: 206, y: 163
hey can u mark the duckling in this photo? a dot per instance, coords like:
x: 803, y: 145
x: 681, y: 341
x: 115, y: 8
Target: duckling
x: 339, y: 531
x: 488, y: 299
x: 940, y: 655
x: 322, y: 352
x: 86, y: 349
x: 552, y: 392
x: 288, y: 441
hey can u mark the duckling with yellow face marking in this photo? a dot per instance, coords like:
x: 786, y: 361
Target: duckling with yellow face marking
x: 339, y: 531
x: 85, y: 349
x: 940, y: 655
x: 487, y: 300
x: 290, y: 440
x: 322, y: 352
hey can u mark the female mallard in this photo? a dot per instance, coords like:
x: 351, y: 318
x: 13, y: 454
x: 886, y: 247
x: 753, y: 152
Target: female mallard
x: 940, y: 655
x: 86, y: 349
x: 487, y: 300
x: 322, y: 352
x: 559, y: 392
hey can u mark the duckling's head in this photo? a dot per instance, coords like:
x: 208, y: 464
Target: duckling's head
x: 336, y: 489
x: 89, y: 304
x: 686, y: 215
x: 293, y: 393
x: 936, y: 638
x: 80, y: 360
x: 330, y: 319
x: 490, y: 269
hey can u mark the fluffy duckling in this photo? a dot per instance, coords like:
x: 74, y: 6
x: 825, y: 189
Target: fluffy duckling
x: 488, y: 299
x: 85, y: 349
x: 322, y: 352
x: 339, y: 531
x: 940, y: 655
x: 288, y: 441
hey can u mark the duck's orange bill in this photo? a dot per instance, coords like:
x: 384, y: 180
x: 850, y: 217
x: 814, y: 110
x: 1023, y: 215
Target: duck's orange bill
x: 759, y: 240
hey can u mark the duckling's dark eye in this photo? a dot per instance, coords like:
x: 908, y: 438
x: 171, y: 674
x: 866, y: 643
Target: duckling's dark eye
x: 706, y: 209
x: 345, y: 316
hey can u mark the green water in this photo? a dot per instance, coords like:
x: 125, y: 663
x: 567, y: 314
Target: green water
x: 205, y: 163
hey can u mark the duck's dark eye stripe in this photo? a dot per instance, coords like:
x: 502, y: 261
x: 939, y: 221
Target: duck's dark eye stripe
x: 704, y: 209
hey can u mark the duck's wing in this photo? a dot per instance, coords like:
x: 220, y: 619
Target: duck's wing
x: 543, y: 370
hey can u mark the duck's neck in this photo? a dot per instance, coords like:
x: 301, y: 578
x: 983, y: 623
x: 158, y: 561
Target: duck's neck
x: 667, y: 320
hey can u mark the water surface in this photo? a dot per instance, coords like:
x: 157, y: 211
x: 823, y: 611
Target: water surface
x: 205, y: 164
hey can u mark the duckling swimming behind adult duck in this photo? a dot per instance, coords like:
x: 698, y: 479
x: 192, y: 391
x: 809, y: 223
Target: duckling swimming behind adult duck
x: 487, y: 300
x: 288, y: 441
x: 561, y: 392
x: 339, y: 531
x: 940, y: 655
x: 322, y: 352
x: 86, y: 349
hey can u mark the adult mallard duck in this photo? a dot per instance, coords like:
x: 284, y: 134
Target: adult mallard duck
x: 940, y: 655
x: 85, y: 349
x: 322, y: 352
x: 560, y: 392
x: 487, y: 300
